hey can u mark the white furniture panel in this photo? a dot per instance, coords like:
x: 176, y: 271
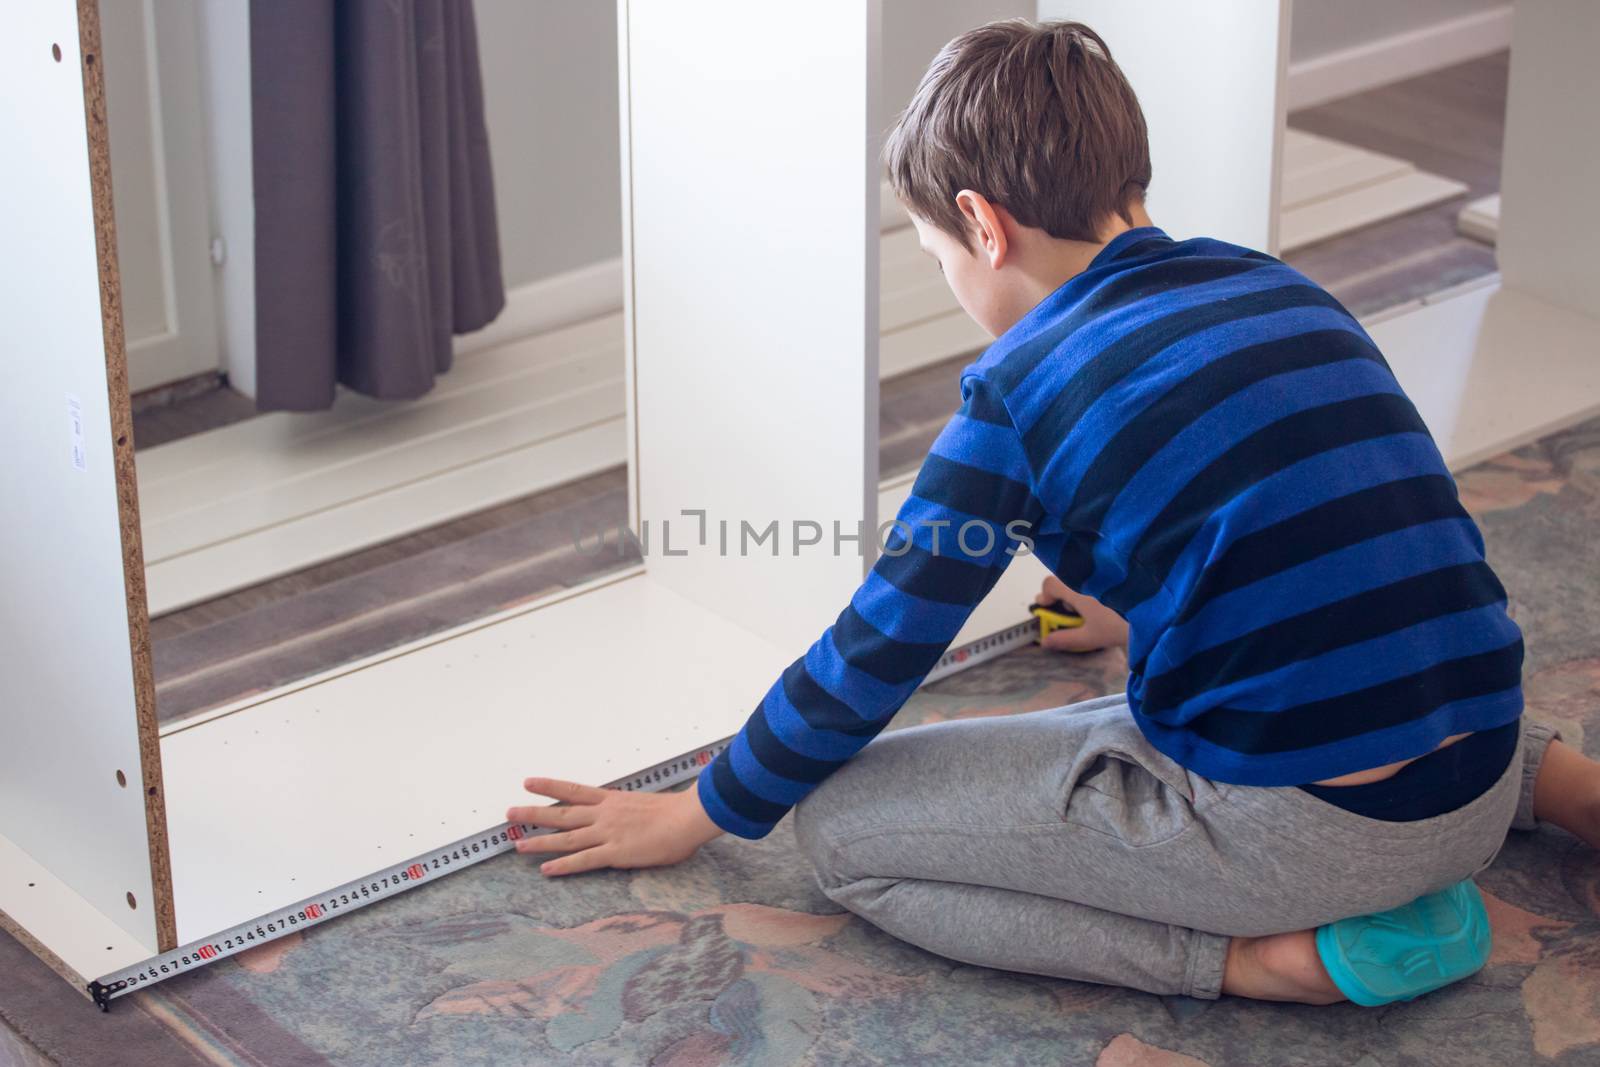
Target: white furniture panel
x: 67, y: 724
x: 1495, y: 366
x: 1210, y: 79
x: 1550, y: 174
x: 753, y: 314
x: 371, y: 764
x: 1492, y: 368
x: 85, y: 940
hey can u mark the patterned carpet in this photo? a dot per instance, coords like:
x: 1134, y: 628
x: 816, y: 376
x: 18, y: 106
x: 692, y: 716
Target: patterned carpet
x: 735, y: 957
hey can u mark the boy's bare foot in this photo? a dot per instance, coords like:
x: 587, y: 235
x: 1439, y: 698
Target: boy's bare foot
x: 1567, y: 792
x: 1279, y: 967
x: 1287, y: 967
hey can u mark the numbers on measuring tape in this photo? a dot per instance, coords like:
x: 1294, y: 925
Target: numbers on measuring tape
x: 374, y: 887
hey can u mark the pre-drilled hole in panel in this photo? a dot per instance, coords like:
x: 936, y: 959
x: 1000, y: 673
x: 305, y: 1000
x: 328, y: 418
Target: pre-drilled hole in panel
x: 122, y: 780
x: 131, y: 902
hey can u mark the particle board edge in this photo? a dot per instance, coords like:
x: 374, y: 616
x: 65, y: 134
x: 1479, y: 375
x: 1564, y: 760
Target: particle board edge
x: 99, y: 153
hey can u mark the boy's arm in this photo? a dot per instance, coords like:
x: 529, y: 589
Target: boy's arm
x: 833, y: 700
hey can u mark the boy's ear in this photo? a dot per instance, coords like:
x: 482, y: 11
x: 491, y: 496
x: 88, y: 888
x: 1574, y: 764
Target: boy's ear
x: 987, y: 226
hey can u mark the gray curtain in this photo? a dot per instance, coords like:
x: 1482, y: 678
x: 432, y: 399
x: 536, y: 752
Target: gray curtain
x: 375, y: 221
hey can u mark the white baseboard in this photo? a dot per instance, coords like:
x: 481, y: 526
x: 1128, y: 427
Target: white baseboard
x: 1480, y: 219
x: 1404, y: 55
x: 165, y: 358
x: 549, y: 304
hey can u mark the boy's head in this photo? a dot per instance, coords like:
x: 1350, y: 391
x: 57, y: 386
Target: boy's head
x: 1022, y: 151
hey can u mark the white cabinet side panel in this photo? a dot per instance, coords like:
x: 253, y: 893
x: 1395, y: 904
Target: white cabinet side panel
x: 1209, y: 78
x: 1550, y: 169
x: 68, y: 723
x: 1493, y: 368
x: 86, y: 943
x: 752, y: 242
x: 415, y: 750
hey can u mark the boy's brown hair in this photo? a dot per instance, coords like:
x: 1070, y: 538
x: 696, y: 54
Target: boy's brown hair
x: 1036, y: 117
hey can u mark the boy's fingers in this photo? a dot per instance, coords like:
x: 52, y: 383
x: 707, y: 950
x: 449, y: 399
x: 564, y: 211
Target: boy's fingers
x: 570, y: 841
x: 561, y: 789
x: 587, y: 860
x: 550, y: 815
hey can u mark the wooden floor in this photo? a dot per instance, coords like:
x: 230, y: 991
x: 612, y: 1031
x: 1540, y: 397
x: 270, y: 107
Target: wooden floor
x: 1449, y: 123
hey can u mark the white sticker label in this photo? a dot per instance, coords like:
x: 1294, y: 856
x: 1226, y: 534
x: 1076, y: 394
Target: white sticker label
x: 80, y: 460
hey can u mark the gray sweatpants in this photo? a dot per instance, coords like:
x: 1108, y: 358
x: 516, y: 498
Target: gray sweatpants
x: 1061, y: 843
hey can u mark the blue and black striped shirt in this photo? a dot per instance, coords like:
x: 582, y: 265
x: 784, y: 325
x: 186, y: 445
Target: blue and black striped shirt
x: 1207, y: 442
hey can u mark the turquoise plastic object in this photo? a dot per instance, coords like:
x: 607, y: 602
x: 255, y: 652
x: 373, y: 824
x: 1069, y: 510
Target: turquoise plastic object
x: 1410, y: 950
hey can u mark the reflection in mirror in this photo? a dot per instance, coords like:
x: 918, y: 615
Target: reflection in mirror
x: 925, y: 336
x: 372, y: 288
x: 372, y: 292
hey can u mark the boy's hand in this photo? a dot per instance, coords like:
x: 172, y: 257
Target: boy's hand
x: 613, y: 827
x: 1102, y: 627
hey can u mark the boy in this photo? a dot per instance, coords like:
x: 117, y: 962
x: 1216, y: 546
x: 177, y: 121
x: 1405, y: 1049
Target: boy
x: 1323, y: 713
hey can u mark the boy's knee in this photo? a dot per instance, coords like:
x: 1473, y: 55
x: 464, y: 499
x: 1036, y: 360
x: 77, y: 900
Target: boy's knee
x: 805, y: 826
x: 813, y: 832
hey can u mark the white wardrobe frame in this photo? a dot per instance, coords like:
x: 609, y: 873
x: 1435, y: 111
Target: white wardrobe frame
x: 120, y: 839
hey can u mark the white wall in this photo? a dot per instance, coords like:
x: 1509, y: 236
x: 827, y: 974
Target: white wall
x: 1341, y: 47
x: 550, y: 88
x: 1213, y: 154
x: 158, y: 169
x: 915, y: 30
x: 225, y: 63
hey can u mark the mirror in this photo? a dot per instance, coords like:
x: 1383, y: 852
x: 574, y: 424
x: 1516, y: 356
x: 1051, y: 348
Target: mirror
x: 372, y: 290
x: 375, y: 349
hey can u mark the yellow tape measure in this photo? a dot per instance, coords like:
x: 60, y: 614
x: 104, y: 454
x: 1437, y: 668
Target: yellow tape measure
x: 1057, y: 615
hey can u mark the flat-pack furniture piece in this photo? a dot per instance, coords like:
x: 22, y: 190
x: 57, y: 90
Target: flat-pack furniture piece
x: 120, y: 839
